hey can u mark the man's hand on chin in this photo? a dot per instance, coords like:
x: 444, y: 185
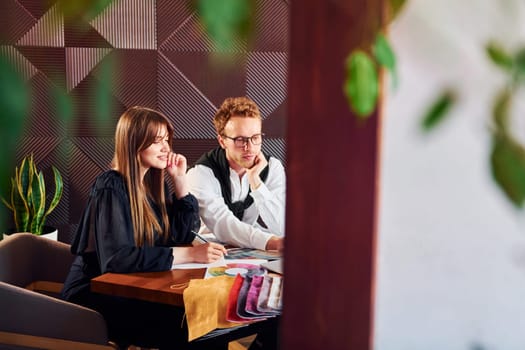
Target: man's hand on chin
x: 259, y: 164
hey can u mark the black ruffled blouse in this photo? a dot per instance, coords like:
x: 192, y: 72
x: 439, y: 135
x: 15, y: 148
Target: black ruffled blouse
x: 104, y: 239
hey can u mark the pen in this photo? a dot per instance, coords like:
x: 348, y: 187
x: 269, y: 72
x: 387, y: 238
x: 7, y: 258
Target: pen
x: 199, y: 236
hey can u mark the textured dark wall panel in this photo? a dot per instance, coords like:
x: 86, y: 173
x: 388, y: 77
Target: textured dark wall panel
x: 155, y: 54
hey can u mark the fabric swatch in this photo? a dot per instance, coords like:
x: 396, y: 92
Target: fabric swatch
x: 206, y: 311
x: 264, y: 294
x: 231, y: 309
x: 242, y: 299
x: 274, y: 299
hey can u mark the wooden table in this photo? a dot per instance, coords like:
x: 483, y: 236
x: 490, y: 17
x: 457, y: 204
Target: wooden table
x: 167, y: 287
x: 160, y: 287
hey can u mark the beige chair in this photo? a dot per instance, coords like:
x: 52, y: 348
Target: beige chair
x: 32, y: 271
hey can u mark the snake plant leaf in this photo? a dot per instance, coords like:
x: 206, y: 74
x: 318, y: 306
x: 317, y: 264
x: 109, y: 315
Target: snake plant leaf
x: 25, y: 177
x: 38, y: 202
x: 386, y: 57
x: 59, y: 187
x: 361, y: 87
x: 507, y: 162
x: 28, y: 196
x: 20, y: 196
x: 438, y: 110
x: 498, y: 56
x: 6, y: 203
x: 20, y: 206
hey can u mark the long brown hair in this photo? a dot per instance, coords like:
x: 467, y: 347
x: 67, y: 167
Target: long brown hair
x: 136, y: 130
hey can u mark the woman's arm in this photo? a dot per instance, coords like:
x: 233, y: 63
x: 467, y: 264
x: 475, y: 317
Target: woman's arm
x: 114, y: 240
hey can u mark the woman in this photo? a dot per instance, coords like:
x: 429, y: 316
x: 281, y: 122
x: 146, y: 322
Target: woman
x: 131, y: 225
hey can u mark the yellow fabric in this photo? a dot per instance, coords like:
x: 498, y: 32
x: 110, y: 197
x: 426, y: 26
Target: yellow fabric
x: 205, y: 302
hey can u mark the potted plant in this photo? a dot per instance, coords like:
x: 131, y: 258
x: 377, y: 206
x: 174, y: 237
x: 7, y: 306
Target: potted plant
x: 27, y: 197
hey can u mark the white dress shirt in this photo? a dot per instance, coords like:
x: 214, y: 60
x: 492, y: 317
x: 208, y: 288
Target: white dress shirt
x: 268, y: 203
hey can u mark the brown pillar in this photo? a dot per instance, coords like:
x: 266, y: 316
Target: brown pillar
x: 332, y: 169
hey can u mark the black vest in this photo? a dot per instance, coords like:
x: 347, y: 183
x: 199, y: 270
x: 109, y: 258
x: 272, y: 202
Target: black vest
x: 217, y: 162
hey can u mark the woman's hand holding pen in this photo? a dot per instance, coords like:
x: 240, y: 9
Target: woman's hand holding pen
x: 200, y: 253
x: 208, y: 252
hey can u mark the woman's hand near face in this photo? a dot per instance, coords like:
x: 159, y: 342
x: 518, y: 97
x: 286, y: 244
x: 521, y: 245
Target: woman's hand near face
x: 176, y: 166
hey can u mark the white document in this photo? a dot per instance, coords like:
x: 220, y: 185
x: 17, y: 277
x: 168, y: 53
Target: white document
x: 275, y: 266
x: 220, y: 262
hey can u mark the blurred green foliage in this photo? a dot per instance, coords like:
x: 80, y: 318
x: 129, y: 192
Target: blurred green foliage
x: 395, y: 7
x: 16, y: 96
x: 385, y: 56
x: 361, y: 86
x: 226, y: 22
x: 87, y: 9
x: 14, y: 108
x: 361, y: 83
x: 103, y: 92
x: 507, y: 157
x: 438, y: 110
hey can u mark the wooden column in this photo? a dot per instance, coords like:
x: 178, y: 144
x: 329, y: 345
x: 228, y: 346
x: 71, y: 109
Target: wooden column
x: 332, y: 169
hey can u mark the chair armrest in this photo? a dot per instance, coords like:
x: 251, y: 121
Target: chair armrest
x: 17, y: 341
x: 27, y: 312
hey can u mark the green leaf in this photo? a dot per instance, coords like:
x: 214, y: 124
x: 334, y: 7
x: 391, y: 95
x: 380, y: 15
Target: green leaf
x: 519, y: 61
x: 38, y: 200
x: 361, y: 86
x: 21, y: 212
x: 395, y: 6
x: 104, y: 108
x: 87, y: 9
x: 438, y: 110
x: 386, y: 57
x: 226, y: 20
x: 64, y: 104
x: 28, y: 198
x: 25, y: 177
x: 59, y: 187
x: 500, y: 110
x: 508, y: 167
x: 498, y: 56
x: 14, y: 108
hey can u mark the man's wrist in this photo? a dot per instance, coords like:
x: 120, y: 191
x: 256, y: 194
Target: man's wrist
x: 274, y: 243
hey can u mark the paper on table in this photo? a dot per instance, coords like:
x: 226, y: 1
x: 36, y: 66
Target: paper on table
x: 274, y: 265
x: 249, y: 253
x: 220, y: 262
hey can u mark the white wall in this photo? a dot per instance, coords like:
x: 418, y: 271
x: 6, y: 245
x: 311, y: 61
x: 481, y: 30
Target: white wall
x: 451, y: 255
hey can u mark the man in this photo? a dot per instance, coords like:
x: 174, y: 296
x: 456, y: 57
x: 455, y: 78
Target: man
x: 241, y: 192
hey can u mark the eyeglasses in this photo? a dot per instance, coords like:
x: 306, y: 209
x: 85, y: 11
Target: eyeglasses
x: 241, y: 141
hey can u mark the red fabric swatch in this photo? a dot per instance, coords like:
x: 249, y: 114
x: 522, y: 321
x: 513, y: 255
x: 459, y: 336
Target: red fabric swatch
x: 231, y: 308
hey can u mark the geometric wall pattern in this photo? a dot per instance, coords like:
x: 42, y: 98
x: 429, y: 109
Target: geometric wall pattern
x: 152, y: 53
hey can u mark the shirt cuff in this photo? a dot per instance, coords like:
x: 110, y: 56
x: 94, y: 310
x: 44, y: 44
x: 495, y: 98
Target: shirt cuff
x: 261, y: 193
x: 261, y: 239
x: 186, y: 203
